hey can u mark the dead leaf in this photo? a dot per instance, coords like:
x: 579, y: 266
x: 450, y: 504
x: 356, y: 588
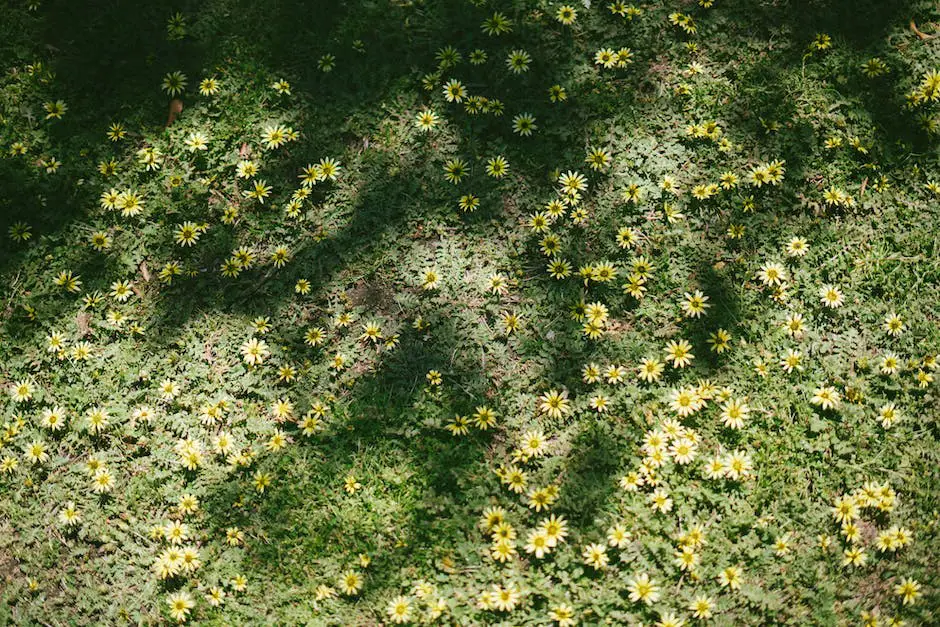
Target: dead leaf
x: 176, y: 107
x: 919, y: 33
x: 82, y: 320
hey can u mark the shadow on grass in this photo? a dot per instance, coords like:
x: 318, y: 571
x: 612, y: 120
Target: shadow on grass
x: 379, y: 412
x: 413, y: 472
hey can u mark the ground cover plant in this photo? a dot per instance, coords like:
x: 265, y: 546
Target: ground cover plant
x: 470, y: 313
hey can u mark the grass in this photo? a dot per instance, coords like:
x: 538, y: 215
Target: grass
x: 382, y: 487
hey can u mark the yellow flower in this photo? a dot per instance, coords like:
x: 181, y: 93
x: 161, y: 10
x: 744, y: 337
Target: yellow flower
x: 566, y: 14
x: 454, y: 91
x: 894, y: 324
x: 180, y: 605
x: 254, y: 351
x: 730, y: 578
x: 738, y: 465
x: 854, y: 556
x: 55, y: 110
x: 563, y: 614
x: 720, y: 341
x: 70, y: 515
x: 209, y: 86
x: 831, y: 296
x: 36, y: 452
x: 734, y: 413
x: 669, y: 619
x: 908, y: 590
x: 21, y: 391
x: 686, y: 558
x: 650, y: 369
x: 503, y: 550
x: 680, y: 352
x: 702, y: 606
x: 505, y: 598
x: 782, y: 545
x: 350, y: 583
x: 826, y: 397
x: 274, y: 136
x: 399, y: 610
x: 430, y: 279
x: 694, y: 305
x: 351, y: 484
x: 261, y: 481
x: 595, y: 555
x: 555, y: 404
x: 537, y: 543
x: 661, y: 501
x: 555, y: 528
x: 643, y: 589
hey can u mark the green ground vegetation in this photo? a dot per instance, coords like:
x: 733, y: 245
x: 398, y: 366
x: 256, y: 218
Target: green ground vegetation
x: 470, y: 312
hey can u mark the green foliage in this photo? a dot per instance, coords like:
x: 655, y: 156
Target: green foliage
x: 340, y: 336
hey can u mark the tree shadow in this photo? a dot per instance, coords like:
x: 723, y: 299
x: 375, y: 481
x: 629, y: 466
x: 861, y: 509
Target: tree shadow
x: 590, y: 468
x: 423, y: 466
x: 856, y: 29
x: 298, y: 515
x: 267, y: 37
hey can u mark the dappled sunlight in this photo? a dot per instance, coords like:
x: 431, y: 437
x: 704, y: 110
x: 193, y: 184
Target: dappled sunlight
x: 469, y: 313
